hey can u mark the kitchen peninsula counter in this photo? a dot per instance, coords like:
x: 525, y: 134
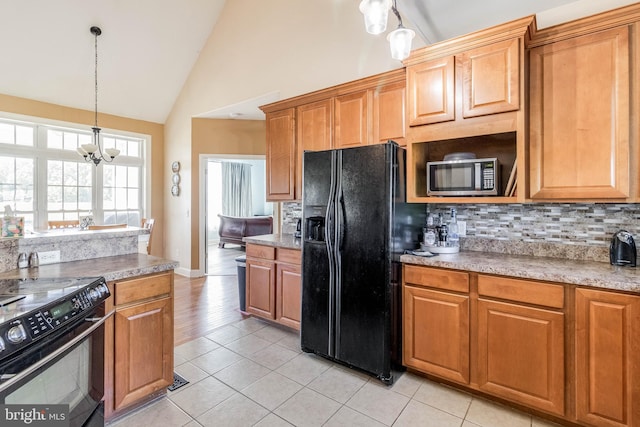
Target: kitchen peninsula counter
x: 286, y: 241
x: 585, y: 273
x: 112, y: 268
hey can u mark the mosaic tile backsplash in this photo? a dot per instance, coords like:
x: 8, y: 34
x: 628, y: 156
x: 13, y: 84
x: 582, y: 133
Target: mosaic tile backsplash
x: 559, y: 230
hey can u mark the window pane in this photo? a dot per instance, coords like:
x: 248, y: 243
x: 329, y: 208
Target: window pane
x: 121, y: 176
x: 54, y: 198
x: 54, y: 172
x: 107, y: 175
x: 70, y: 141
x: 133, y: 199
x: 108, y: 142
x: 85, y: 171
x: 121, y: 198
x: 122, y: 146
x: 70, y: 198
x: 16, y: 185
x: 6, y: 133
x: 84, y: 139
x: 134, y: 148
x: 84, y: 198
x: 108, y: 199
x: 54, y: 140
x: 133, y: 174
x: 70, y: 173
x: 24, y: 135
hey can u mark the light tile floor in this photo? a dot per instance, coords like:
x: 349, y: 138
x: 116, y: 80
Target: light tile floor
x: 252, y: 373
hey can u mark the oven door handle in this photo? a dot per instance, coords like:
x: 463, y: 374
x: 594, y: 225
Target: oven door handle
x: 97, y: 322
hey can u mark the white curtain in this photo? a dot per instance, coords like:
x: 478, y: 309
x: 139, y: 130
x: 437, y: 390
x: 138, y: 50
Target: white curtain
x: 236, y: 189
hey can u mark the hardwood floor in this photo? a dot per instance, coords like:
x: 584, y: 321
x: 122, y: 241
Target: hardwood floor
x: 206, y: 303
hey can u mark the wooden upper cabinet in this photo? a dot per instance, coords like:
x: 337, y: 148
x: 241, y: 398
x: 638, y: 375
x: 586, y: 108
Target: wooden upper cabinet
x: 314, y: 133
x: 579, y: 117
x: 388, y: 113
x: 351, y: 120
x: 607, y: 358
x: 490, y: 79
x: 431, y: 88
x: 281, y: 160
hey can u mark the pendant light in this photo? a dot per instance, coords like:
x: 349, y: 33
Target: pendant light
x: 93, y: 152
x: 375, y: 14
x: 400, y: 39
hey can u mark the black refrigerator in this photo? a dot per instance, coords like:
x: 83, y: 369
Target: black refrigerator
x: 356, y: 224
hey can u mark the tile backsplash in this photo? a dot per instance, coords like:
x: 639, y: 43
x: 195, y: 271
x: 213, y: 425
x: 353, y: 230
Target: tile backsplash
x: 563, y: 230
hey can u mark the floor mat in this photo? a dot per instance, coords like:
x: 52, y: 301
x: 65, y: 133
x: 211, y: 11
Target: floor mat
x: 178, y: 382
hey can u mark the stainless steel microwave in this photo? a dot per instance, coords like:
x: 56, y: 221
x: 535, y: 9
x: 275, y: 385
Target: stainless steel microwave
x: 468, y: 177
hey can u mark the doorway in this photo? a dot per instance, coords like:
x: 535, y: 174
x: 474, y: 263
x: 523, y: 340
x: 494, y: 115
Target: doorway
x: 221, y: 261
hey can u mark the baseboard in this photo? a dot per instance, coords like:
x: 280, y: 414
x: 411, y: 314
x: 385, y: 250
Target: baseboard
x: 188, y: 272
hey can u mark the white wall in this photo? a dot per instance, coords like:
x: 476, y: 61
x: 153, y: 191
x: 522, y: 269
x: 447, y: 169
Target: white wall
x: 320, y: 42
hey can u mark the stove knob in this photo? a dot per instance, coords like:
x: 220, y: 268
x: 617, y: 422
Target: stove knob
x: 2, y: 346
x: 94, y: 294
x: 17, y: 334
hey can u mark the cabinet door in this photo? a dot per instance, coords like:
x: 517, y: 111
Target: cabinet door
x: 261, y: 288
x: 579, y: 117
x: 388, y: 113
x: 143, y: 351
x: 607, y: 358
x: 521, y: 354
x: 352, y: 120
x: 431, y: 87
x: 288, y: 295
x: 436, y: 333
x: 313, y: 124
x: 280, y: 158
x: 491, y: 79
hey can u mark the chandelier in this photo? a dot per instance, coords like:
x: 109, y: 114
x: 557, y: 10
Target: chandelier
x: 94, y: 152
x: 375, y: 14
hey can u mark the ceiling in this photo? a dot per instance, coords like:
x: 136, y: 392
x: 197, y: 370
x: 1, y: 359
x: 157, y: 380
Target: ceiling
x: 148, y: 47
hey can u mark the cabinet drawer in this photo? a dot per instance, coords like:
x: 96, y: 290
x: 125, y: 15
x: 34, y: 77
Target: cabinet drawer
x: 142, y: 288
x: 436, y: 278
x: 258, y: 251
x: 538, y: 293
x: 291, y: 256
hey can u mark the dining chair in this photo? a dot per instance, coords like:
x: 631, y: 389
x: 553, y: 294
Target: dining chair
x: 69, y: 223
x: 148, y: 223
x: 106, y: 226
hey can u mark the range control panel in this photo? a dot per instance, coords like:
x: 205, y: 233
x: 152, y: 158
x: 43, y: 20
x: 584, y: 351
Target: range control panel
x: 38, y: 323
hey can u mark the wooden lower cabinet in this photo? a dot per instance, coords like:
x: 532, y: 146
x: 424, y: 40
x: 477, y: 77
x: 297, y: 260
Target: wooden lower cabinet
x: 289, y: 293
x: 567, y: 351
x: 139, y: 341
x: 436, y: 333
x: 521, y: 354
x: 274, y: 284
x: 607, y: 358
x: 261, y: 288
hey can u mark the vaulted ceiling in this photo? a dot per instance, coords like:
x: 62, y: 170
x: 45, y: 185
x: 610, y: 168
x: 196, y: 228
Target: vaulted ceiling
x: 148, y: 47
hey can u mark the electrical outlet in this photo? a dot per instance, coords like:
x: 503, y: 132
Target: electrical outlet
x: 49, y: 257
x: 462, y: 228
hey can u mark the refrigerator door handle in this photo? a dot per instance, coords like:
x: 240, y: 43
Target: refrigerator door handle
x: 330, y: 243
x: 343, y: 223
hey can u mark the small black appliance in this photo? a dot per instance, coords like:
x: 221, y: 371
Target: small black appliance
x: 623, y: 249
x: 298, y: 232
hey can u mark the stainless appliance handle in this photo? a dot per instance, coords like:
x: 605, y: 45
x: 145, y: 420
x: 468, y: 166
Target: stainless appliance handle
x: 97, y: 322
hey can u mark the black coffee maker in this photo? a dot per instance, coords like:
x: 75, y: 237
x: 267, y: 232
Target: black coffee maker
x: 623, y: 249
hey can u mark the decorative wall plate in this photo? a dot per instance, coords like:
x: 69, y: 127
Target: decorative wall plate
x: 176, y: 178
x: 175, y: 166
x: 175, y: 190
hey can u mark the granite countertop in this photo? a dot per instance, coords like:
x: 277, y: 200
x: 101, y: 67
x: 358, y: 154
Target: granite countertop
x: 112, y: 268
x: 585, y: 273
x: 287, y: 241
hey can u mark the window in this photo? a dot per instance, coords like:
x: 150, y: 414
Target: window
x: 43, y: 178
